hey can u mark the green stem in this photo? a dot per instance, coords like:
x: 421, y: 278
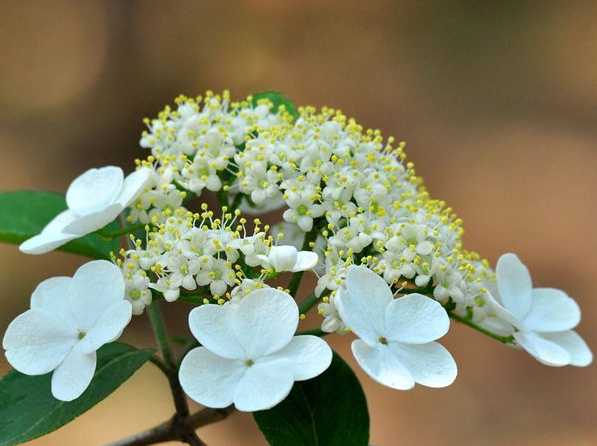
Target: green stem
x: 120, y: 232
x: 222, y: 198
x: 296, y: 278
x: 161, y: 336
x: 308, y: 303
x: 236, y: 202
x: 471, y: 324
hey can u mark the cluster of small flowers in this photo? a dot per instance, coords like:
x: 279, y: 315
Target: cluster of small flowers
x: 357, y: 215
x: 192, y: 148
x: 215, y: 258
x: 334, y: 178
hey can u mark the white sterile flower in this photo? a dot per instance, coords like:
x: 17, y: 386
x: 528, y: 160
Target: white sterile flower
x: 287, y: 258
x: 543, y: 317
x: 69, y: 319
x: 249, y: 354
x: 396, y: 345
x: 94, y: 199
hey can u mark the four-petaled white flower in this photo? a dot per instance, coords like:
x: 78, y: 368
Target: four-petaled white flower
x: 396, y: 345
x: 287, y: 258
x: 69, y: 319
x: 94, y: 199
x: 543, y: 318
x: 249, y: 354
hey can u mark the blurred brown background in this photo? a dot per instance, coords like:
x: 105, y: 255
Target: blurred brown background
x: 496, y: 100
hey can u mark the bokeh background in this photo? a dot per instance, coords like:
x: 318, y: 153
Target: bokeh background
x: 496, y: 100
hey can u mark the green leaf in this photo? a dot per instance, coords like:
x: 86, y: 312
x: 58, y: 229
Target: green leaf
x: 329, y: 410
x: 24, y: 214
x: 278, y: 100
x: 28, y: 410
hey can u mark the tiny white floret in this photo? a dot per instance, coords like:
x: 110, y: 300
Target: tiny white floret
x: 395, y: 345
x: 94, y: 199
x: 287, y: 258
x: 69, y: 319
x: 249, y: 355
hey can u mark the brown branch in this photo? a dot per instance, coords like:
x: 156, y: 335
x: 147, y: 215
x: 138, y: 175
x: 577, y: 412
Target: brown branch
x: 174, y: 430
x: 208, y: 416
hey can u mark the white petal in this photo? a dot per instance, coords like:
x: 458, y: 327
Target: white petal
x: 429, y: 364
x: 382, y: 365
x: 543, y: 350
x: 362, y: 306
x: 497, y: 325
x: 305, y: 261
x: 282, y: 258
x: 265, y: 321
x: 51, y: 294
x: 92, y: 222
x: 37, y: 341
x: 44, y: 243
x: 108, y: 327
x: 212, y: 327
x: 361, y: 281
x: 52, y: 236
x: 577, y: 348
x: 94, y: 190
x: 416, y: 319
x: 95, y: 287
x: 74, y: 375
x: 133, y: 186
x: 210, y: 379
x: 503, y: 316
x: 58, y: 223
x: 263, y: 386
x: 551, y: 310
x: 424, y: 248
x: 309, y: 356
x: 514, y: 285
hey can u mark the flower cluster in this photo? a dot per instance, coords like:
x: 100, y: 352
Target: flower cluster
x: 333, y: 177
x: 389, y: 258
x: 214, y: 258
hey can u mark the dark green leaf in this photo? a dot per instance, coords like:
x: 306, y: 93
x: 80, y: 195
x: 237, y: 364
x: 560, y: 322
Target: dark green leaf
x: 277, y: 99
x: 329, y: 410
x: 24, y: 214
x: 28, y: 410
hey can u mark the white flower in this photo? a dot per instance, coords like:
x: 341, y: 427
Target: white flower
x: 94, y: 199
x: 332, y: 321
x: 69, y: 319
x: 287, y: 258
x: 302, y: 210
x: 249, y: 354
x: 218, y: 274
x: 396, y: 345
x: 543, y: 317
